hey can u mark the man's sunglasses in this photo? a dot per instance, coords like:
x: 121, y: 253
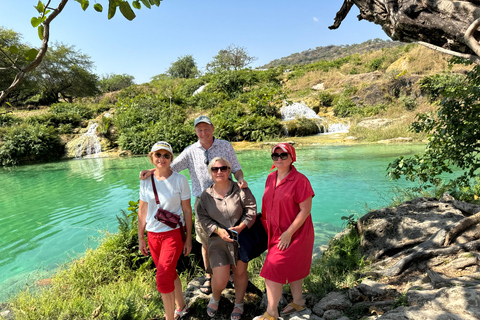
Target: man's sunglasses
x: 165, y: 155
x: 282, y: 156
x: 222, y: 168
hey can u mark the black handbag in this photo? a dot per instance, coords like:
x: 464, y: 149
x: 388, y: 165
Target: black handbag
x: 253, y: 241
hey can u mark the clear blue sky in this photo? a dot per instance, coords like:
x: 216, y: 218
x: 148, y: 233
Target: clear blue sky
x: 147, y: 46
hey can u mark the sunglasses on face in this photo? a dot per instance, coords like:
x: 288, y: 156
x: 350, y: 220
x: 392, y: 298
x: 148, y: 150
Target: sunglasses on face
x: 222, y: 168
x: 282, y: 156
x: 206, y: 157
x: 165, y: 155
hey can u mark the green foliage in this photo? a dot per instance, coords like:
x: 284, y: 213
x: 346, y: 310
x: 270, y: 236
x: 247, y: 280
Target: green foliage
x: 409, y: 102
x: 84, y: 111
x: 25, y: 143
x: 145, y: 120
x: 438, y: 84
x: 185, y: 67
x: 345, y: 108
x: 231, y: 58
x: 302, y: 127
x: 335, y: 52
x: 233, y: 83
x: 326, y: 98
x: 115, y: 82
x: 65, y: 72
x: 454, y: 140
x: 339, y: 266
x: 8, y: 120
x: 375, y: 64
x: 323, y: 65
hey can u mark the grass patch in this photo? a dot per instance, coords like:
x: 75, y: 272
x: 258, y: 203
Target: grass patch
x: 339, y: 266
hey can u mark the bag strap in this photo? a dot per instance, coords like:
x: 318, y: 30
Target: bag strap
x: 154, y: 189
x: 158, y: 201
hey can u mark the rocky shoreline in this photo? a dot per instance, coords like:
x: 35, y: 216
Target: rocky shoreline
x: 441, y: 281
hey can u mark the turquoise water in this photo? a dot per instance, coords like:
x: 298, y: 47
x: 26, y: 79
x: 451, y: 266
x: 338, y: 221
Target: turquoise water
x: 53, y: 212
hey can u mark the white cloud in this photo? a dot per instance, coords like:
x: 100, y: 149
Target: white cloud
x: 315, y: 19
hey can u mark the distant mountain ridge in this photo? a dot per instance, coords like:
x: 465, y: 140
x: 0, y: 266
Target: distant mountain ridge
x: 331, y: 52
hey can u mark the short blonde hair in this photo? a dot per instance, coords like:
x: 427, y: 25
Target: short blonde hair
x: 222, y: 159
x: 150, y: 156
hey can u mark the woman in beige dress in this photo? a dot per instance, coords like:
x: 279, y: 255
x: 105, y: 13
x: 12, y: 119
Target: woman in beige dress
x: 224, y: 209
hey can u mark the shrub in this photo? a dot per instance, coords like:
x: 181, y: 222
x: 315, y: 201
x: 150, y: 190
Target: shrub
x: 302, y: 127
x: 72, y: 109
x: 8, y: 120
x: 115, y: 82
x: 326, y: 98
x: 30, y: 143
x: 435, y: 85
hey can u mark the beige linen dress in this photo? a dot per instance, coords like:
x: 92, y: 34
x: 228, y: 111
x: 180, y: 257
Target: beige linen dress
x: 237, y: 206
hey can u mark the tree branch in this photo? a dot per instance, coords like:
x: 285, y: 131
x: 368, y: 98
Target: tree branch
x: 341, y: 14
x: 41, y: 52
x: 470, y: 40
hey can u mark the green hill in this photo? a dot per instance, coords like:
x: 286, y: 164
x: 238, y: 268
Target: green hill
x: 331, y: 52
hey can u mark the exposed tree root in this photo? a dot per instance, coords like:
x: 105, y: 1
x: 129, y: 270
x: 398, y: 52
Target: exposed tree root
x: 461, y: 226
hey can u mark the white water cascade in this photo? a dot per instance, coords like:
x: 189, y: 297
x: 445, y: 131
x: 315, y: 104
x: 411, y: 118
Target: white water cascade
x: 337, y: 128
x: 300, y: 110
x: 88, y: 144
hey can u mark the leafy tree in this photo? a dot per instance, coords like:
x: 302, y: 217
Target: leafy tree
x: 11, y: 41
x: 115, y: 82
x: 454, y: 136
x: 185, y: 67
x: 42, y: 22
x: 231, y: 58
x: 65, y: 72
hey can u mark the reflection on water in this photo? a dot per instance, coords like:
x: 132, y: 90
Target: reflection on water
x: 53, y: 212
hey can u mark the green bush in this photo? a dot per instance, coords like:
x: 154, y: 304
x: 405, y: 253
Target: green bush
x: 115, y: 82
x: 27, y: 143
x: 326, y: 98
x: 302, y: 127
x: 146, y: 120
x: 375, y: 64
x: 345, y: 108
x: 83, y: 111
x: 437, y: 84
x: 8, y: 120
x: 338, y: 267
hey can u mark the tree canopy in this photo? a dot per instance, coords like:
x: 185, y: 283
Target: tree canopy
x: 230, y: 58
x: 185, y: 67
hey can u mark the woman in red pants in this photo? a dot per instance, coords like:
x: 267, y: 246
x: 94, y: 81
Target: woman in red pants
x: 167, y: 190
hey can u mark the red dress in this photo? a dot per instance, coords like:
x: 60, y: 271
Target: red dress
x: 280, y: 206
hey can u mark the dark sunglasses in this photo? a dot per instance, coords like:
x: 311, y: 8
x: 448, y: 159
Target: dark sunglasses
x: 282, y: 156
x: 222, y: 168
x: 206, y: 156
x: 165, y: 155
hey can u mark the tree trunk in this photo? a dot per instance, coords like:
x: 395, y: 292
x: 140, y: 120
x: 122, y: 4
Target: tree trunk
x: 446, y: 25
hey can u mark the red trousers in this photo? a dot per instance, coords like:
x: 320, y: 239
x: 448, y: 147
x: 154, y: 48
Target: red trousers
x: 165, y: 248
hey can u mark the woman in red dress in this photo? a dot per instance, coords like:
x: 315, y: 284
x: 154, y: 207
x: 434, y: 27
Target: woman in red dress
x: 286, y: 207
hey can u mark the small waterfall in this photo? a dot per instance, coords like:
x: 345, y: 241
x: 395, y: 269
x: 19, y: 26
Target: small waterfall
x: 88, y: 144
x: 337, y: 128
x: 199, y: 89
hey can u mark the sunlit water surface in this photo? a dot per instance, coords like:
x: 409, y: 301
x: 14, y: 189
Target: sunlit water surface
x: 51, y: 213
